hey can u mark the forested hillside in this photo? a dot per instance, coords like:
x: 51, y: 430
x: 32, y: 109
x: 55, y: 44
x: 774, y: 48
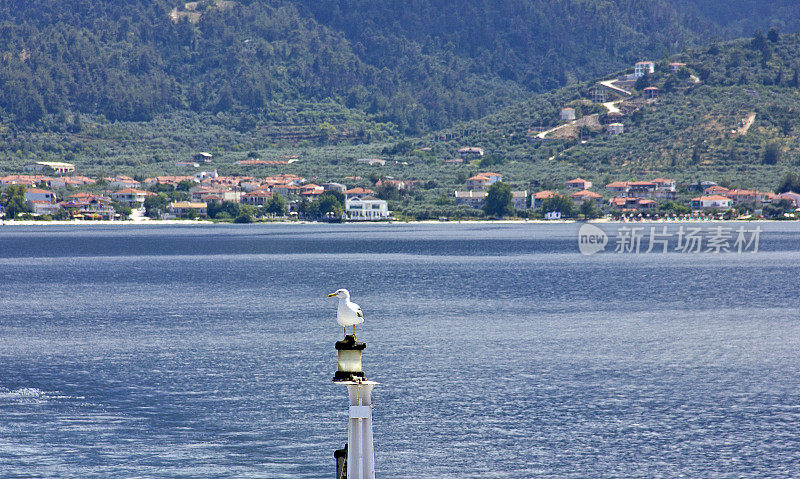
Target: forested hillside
x: 731, y: 113
x: 418, y: 64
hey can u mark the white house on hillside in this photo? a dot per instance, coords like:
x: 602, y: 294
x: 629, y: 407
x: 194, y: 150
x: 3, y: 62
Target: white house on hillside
x: 643, y: 68
x: 366, y: 208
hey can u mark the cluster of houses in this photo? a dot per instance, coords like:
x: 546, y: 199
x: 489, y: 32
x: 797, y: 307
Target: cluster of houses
x: 477, y: 185
x: 626, y: 196
x: 203, y: 188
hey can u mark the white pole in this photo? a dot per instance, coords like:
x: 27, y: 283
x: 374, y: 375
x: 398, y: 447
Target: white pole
x: 361, y: 453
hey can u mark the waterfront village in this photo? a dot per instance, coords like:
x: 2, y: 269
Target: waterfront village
x: 63, y: 195
x: 49, y: 190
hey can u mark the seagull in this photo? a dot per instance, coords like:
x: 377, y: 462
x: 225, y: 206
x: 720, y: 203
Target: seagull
x: 349, y: 313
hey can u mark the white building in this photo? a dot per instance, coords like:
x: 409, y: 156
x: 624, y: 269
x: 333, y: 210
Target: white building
x: 43, y: 207
x: 615, y: 128
x: 371, y: 161
x: 473, y: 198
x: 643, y: 68
x: 181, y: 209
x: 675, y: 67
x: 567, y: 114
x: 131, y: 196
x: 123, y: 182
x: 520, y: 199
x: 366, y: 208
x: 56, y: 166
x: 713, y: 201
x: 206, y: 174
x: 470, y: 152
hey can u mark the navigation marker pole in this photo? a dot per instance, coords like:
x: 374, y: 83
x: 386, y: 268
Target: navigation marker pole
x: 357, y: 459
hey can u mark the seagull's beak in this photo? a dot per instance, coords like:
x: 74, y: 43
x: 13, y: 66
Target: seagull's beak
x: 332, y: 295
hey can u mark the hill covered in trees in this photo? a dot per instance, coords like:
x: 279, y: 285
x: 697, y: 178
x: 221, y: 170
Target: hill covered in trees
x: 731, y: 114
x: 420, y: 65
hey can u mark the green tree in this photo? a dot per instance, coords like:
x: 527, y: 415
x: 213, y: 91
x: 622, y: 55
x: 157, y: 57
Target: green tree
x: 154, y: 206
x: 773, y: 35
x: 124, y: 211
x: 276, y: 206
x: 61, y: 215
x: 327, y: 206
x: 185, y: 185
x: 162, y: 188
x: 498, y: 200
x: 772, y: 153
x: 673, y: 207
x: 560, y: 204
x: 589, y: 210
x: 642, y: 82
x: 227, y: 208
x: 388, y: 193
x: 14, y: 201
x: 789, y: 182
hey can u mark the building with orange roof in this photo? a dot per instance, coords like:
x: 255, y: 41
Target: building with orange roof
x: 285, y: 190
x: 748, y: 196
x: 25, y: 180
x: 632, y: 203
x: 664, y: 184
x: 481, y: 181
x: 580, y: 197
x: 578, y: 184
x: 358, y: 191
x: 38, y: 194
x: 538, y: 198
x: 258, y: 197
x: 716, y: 190
x: 131, y: 196
x: 790, y: 196
x: 182, y: 209
x: 712, y: 201
x: 618, y: 188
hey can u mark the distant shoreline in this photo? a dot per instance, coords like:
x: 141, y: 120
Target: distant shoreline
x: 426, y: 222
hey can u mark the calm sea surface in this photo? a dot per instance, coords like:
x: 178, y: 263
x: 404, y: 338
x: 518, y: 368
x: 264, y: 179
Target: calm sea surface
x: 207, y: 351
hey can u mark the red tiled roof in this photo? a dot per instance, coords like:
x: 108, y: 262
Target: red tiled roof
x: 359, y: 191
x: 584, y: 193
x: 711, y: 198
x: 132, y: 191
x: 542, y: 195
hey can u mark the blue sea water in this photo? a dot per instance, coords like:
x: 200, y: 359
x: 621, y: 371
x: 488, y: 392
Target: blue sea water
x: 501, y: 351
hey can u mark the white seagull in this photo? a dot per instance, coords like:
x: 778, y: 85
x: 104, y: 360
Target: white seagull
x: 348, y: 313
